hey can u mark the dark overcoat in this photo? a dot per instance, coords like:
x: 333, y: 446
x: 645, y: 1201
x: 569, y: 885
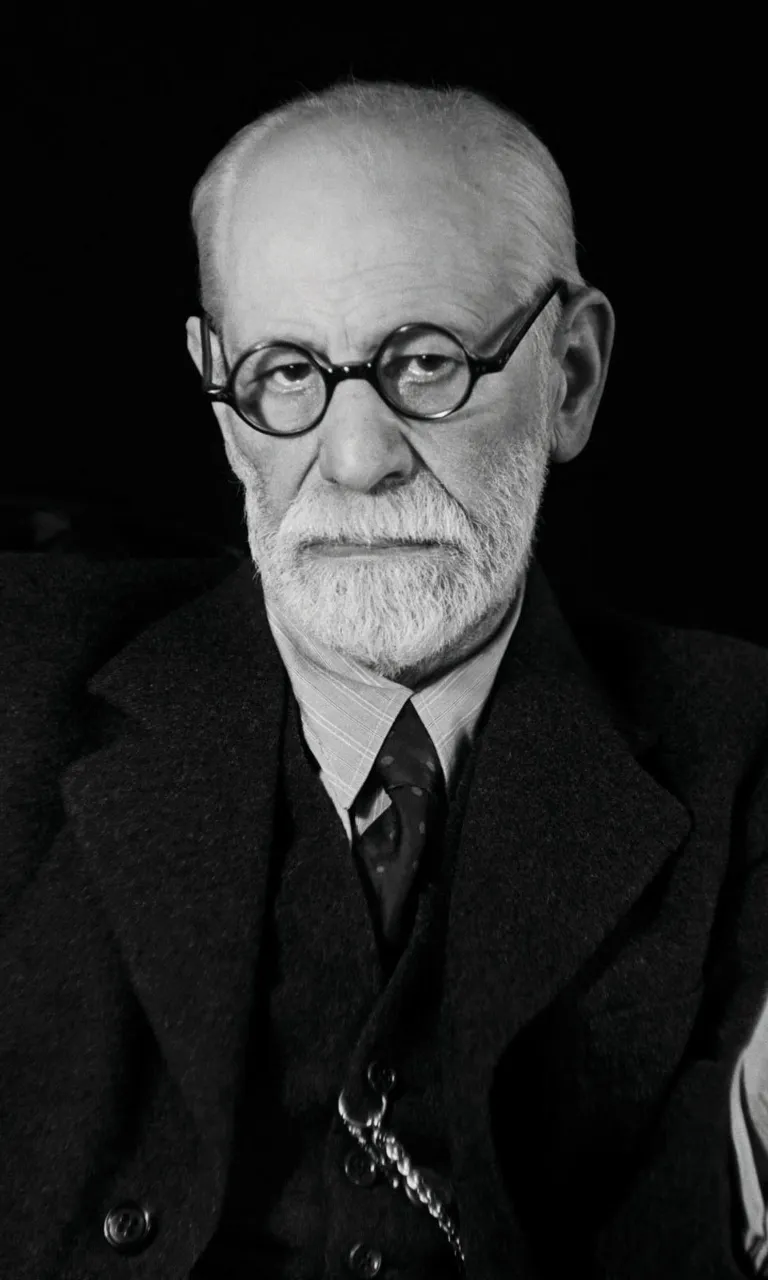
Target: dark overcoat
x: 605, y: 957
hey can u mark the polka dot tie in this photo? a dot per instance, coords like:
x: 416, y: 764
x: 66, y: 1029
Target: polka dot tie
x: 391, y: 848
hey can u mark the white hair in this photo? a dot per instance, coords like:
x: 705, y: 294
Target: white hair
x: 496, y: 153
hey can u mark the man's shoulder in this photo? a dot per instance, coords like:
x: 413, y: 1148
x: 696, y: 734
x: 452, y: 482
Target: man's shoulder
x: 71, y: 612
x: 646, y: 643
x: 698, y: 687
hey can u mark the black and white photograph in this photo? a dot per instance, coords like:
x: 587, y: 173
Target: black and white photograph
x: 383, y: 649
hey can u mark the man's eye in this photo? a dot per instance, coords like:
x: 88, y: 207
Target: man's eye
x: 429, y: 364
x: 423, y: 367
x: 286, y: 376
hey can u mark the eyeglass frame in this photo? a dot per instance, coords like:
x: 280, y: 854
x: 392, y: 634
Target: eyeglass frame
x: 333, y: 374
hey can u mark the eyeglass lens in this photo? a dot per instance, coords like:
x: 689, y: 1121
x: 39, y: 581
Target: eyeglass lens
x: 422, y: 371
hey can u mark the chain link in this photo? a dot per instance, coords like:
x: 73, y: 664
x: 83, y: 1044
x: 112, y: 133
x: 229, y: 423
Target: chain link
x: 389, y: 1155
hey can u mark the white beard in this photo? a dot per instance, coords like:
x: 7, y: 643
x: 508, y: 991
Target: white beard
x: 403, y: 615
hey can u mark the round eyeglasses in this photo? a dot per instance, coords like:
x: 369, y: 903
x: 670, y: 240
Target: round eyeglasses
x: 422, y: 371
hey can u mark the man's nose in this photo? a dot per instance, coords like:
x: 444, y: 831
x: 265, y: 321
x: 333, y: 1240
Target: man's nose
x: 363, y: 441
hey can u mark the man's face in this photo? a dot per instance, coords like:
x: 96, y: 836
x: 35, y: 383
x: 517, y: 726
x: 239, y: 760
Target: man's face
x: 319, y: 254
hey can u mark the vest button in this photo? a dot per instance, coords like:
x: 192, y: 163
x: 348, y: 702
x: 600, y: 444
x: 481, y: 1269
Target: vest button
x: 381, y: 1077
x: 128, y: 1227
x: 363, y: 1261
x: 360, y: 1169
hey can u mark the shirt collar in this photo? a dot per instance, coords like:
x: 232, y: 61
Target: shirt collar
x: 347, y: 710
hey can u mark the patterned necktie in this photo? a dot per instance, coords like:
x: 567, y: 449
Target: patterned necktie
x: 392, y: 847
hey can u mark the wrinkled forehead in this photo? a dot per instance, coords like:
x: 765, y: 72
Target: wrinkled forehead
x: 327, y: 209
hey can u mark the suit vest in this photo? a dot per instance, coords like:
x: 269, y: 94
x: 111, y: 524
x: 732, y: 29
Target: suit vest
x: 302, y: 1201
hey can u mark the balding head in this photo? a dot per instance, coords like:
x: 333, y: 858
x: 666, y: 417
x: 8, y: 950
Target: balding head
x: 352, y: 231
x: 478, y: 161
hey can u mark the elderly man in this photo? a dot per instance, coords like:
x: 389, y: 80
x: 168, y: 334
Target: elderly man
x: 368, y: 910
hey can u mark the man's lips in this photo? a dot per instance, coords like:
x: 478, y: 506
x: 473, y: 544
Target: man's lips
x: 368, y: 548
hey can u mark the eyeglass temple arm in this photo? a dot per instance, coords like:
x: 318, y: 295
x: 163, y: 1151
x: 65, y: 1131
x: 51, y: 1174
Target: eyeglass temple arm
x: 561, y: 288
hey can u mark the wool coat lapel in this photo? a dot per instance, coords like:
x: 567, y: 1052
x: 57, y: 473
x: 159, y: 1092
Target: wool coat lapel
x: 175, y: 815
x: 175, y: 812
x: 563, y: 831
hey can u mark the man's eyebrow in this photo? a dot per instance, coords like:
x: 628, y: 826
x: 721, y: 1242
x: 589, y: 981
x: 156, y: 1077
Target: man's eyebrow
x: 474, y: 334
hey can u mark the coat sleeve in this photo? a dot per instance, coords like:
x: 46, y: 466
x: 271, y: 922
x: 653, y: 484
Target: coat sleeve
x: 683, y: 1217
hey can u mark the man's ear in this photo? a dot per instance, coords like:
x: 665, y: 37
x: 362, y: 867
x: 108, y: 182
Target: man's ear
x: 195, y: 349
x: 194, y: 346
x: 583, y: 352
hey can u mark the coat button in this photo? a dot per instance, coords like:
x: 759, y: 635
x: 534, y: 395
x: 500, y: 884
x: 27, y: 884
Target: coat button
x: 128, y: 1227
x: 363, y: 1261
x: 360, y: 1169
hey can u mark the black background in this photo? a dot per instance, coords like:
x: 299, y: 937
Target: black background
x: 657, y: 132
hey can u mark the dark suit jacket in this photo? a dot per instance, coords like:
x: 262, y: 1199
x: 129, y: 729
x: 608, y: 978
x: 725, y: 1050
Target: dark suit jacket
x: 606, y: 953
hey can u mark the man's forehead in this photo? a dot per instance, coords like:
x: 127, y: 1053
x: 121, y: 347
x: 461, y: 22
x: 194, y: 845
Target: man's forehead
x: 312, y: 223
x: 367, y: 246
x: 359, y: 284
x: 311, y: 183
